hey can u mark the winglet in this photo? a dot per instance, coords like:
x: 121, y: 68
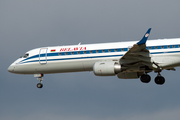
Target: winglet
x: 144, y: 39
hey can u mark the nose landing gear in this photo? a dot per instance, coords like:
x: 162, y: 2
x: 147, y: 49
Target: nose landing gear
x: 39, y: 85
x: 39, y: 77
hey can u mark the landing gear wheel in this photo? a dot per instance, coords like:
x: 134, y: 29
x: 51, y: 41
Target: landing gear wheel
x: 39, y: 77
x: 39, y: 85
x: 160, y: 80
x: 145, y: 78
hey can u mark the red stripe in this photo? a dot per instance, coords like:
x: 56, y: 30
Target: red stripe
x: 53, y: 50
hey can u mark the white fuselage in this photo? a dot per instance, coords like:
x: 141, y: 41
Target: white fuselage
x: 77, y: 58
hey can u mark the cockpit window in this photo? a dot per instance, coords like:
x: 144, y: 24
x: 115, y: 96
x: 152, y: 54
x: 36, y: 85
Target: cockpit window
x: 25, y: 56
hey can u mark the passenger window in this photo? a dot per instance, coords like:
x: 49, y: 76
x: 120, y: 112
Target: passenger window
x: 115, y: 50
x: 109, y: 50
x: 168, y: 46
x: 103, y: 51
x: 72, y: 53
x: 78, y: 52
x: 91, y: 51
x: 65, y: 53
x: 173, y: 46
x: 162, y: 47
x: 122, y: 49
x: 97, y: 51
x: 155, y: 47
x: 84, y: 52
x: 149, y: 48
x: 59, y: 53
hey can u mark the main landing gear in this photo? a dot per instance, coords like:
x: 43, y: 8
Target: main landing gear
x: 145, y: 78
x: 39, y: 77
x: 160, y: 80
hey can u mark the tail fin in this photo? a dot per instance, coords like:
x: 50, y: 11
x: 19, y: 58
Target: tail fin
x: 145, y: 37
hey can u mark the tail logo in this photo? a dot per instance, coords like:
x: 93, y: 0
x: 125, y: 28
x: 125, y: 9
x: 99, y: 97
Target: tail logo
x: 147, y: 35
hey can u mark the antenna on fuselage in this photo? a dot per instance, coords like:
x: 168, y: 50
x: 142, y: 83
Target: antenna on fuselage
x: 79, y: 43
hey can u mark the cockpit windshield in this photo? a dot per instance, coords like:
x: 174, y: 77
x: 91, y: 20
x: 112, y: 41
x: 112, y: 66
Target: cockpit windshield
x: 25, y: 56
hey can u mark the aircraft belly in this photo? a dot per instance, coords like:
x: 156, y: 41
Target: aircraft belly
x: 68, y: 66
x: 58, y: 66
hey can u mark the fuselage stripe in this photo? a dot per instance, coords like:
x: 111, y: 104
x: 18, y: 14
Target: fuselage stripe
x: 75, y: 58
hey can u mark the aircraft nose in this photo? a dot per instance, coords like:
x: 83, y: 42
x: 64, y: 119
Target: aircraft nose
x: 10, y: 68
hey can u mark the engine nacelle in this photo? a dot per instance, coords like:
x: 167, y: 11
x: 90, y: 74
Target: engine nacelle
x: 128, y: 75
x: 106, y: 68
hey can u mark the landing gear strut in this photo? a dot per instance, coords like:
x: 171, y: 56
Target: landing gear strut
x: 160, y: 80
x: 39, y: 77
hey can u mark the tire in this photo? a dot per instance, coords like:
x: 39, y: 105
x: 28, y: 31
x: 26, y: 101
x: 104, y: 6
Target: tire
x: 39, y: 85
x: 159, y: 80
x: 145, y: 78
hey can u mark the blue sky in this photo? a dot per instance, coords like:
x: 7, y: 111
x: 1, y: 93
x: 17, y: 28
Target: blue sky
x: 25, y: 25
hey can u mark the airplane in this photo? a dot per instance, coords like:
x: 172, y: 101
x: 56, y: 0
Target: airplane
x: 126, y: 60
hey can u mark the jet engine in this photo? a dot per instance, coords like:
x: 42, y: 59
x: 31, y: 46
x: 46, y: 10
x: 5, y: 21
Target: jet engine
x: 106, y: 68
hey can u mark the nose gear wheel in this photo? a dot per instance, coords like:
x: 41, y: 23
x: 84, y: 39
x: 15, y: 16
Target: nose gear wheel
x: 39, y: 77
x: 39, y: 85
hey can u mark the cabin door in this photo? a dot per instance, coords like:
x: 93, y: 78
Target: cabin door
x: 43, y: 56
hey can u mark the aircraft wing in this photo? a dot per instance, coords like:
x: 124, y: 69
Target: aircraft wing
x: 138, y: 55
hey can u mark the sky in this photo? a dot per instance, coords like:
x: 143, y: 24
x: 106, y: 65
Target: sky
x: 29, y: 24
